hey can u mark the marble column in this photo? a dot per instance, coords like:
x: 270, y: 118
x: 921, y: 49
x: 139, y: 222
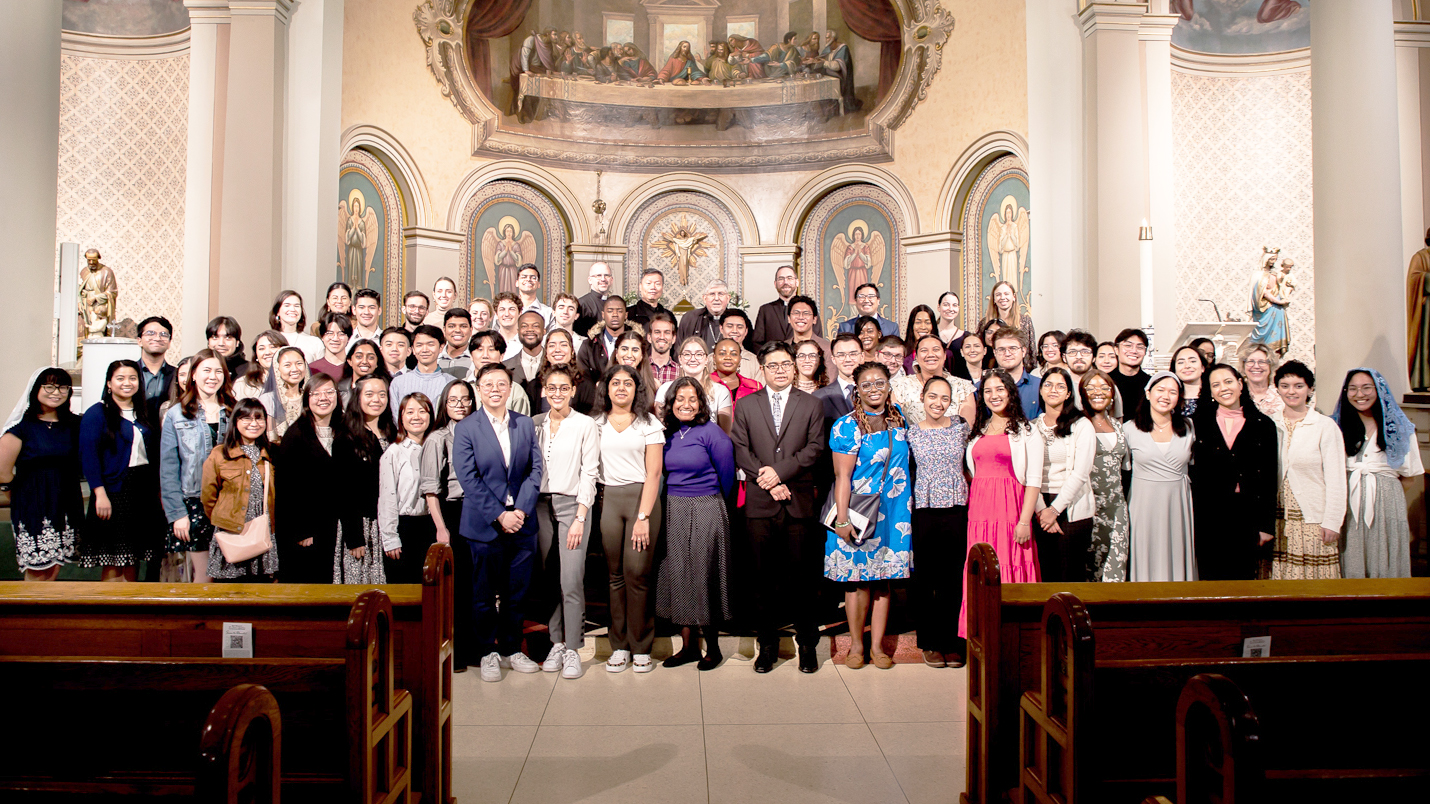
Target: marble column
x: 1156, y: 37
x: 1360, y: 290
x: 1116, y: 169
x: 30, y: 140
x: 1412, y: 48
x: 208, y: 84
x: 314, y: 106
x: 250, y: 246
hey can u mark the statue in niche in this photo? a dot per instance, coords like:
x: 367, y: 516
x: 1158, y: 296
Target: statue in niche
x: 1417, y: 318
x: 98, y: 298
x: 1008, y: 237
x: 683, y: 245
x: 1269, y: 299
x: 505, y: 248
x: 358, y: 231
x: 858, y: 256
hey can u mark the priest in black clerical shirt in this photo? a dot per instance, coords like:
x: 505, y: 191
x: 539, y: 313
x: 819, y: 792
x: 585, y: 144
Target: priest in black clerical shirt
x: 591, y: 304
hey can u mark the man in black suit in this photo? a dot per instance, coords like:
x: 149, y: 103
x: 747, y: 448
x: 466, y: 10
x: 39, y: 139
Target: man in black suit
x: 772, y: 321
x: 531, y: 331
x: 651, y: 289
x: 779, y: 435
x: 600, y: 281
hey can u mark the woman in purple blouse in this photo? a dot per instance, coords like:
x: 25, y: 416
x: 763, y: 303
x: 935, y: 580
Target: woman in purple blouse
x: 693, y: 588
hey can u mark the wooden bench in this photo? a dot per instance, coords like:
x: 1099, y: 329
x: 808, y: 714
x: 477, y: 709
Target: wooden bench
x: 241, y: 749
x: 293, y: 621
x: 1200, y: 620
x: 1333, y: 718
x: 123, y: 726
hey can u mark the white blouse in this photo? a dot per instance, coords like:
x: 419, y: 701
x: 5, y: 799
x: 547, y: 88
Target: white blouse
x: 399, y: 489
x: 572, y: 458
x: 623, y: 452
x: 1371, y: 461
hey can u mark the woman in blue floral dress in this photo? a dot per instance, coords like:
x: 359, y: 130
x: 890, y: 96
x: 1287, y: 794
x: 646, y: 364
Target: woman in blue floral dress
x: 871, y: 456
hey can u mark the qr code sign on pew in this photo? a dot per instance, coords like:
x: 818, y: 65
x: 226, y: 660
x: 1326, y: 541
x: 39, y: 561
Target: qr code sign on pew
x: 238, y: 640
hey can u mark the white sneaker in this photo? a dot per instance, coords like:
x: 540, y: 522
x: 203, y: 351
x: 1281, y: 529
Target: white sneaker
x: 641, y: 663
x: 618, y: 661
x: 491, y: 667
x: 521, y: 663
x: 554, y: 658
x: 571, y: 665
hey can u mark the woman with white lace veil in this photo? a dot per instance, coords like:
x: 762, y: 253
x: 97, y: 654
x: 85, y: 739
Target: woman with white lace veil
x: 39, y: 462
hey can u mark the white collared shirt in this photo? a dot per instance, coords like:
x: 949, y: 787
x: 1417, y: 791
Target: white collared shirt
x: 784, y: 404
x: 844, y: 386
x: 530, y: 363
x: 503, y: 432
x: 544, y: 310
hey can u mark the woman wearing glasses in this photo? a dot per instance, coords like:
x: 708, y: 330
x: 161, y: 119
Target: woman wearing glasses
x: 694, y: 359
x: 1107, y: 559
x: 871, y: 456
x: 39, y: 460
x: 571, y: 452
x: 443, y: 493
x: 306, y: 515
x: 1258, y: 366
x: 810, y: 373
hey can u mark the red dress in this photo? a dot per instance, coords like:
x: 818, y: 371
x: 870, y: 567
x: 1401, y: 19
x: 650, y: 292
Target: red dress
x: 995, y: 499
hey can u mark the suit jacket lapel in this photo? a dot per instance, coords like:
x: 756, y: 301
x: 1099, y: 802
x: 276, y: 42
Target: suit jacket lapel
x: 511, y: 435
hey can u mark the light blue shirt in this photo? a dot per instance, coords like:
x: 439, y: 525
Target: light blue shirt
x: 415, y: 381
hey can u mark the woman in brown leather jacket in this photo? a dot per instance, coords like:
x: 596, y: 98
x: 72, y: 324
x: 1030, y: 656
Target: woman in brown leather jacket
x: 238, y: 487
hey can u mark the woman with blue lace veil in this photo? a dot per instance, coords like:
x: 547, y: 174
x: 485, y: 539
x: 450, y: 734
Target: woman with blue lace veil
x: 1381, y: 455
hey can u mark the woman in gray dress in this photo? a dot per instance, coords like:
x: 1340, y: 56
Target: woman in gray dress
x: 1160, y: 440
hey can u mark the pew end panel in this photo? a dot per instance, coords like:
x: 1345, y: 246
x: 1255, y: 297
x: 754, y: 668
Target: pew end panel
x: 1050, y: 737
x: 240, y: 749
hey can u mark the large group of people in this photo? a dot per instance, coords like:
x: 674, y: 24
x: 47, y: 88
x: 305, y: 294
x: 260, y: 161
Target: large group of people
x: 730, y: 471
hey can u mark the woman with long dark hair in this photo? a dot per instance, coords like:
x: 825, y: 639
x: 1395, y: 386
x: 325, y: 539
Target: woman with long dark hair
x: 338, y: 299
x: 289, y: 318
x: 699, y: 466
x: 922, y: 321
x: 251, y: 385
x: 308, y: 504
x: 403, y: 519
x: 1190, y: 365
x: 1107, y: 555
x: 367, y: 430
x: 443, y: 493
x: 631, y: 462
x: 1160, y: 501
x: 190, y: 431
x: 866, y: 329
x: 283, y: 392
x: 947, y: 327
x: 1065, y: 506
x: 1382, y: 454
x: 1233, y: 479
x: 125, y: 524
x: 364, y: 360
x: 1050, y: 352
x: 810, y: 372
x: 39, y: 460
x: 239, y: 487
x: 871, y: 455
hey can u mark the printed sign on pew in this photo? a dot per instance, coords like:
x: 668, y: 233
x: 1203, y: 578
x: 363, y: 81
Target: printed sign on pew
x: 238, y: 640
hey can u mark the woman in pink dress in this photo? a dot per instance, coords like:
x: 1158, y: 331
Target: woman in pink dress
x: 1005, y: 459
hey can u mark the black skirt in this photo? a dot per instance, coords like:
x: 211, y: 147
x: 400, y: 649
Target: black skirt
x: 135, y: 528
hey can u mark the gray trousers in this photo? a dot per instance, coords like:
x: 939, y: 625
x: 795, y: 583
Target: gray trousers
x: 554, y: 515
x: 632, y: 610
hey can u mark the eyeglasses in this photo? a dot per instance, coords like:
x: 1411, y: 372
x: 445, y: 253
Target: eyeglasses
x: 802, y: 314
x: 874, y: 385
x: 809, y: 356
x: 1135, y: 347
x: 1078, y: 352
x: 51, y: 388
x: 697, y: 355
x: 558, y: 389
x: 1250, y: 363
x: 156, y: 333
x: 458, y: 402
x: 324, y: 396
x: 783, y: 365
x: 1007, y: 350
x: 866, y: 297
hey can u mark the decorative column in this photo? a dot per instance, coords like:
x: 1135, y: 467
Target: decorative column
x: 250, y: 243
x: 1156, y: 38
x: 1360, y: 288
x: 203, y: 181
x: 30, y: 140
x: 1412, y: 50
x: 758, y: 267
x: 1116, y: 170
x: 933, y: 265
x: 431, y: 253
x: 314, y: 123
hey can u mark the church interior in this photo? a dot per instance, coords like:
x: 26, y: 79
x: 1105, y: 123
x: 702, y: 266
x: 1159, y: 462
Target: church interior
x: 1252, y: 173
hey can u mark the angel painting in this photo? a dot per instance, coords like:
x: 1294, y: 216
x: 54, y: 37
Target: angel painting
x: 1008, y: 243
x: 505, y: 248
x: 858, y: 256
x: 683, y: 245
x: 358, y: 233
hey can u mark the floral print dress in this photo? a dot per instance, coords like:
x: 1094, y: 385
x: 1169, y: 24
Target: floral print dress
x: 888, y: 554
x: 1107, y: 560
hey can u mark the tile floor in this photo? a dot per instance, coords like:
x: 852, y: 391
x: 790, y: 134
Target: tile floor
x: 864, y: 736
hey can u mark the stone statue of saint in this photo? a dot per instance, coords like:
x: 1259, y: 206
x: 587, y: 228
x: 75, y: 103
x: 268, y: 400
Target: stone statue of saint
x: 98, y: 298
x: 1417, y: 318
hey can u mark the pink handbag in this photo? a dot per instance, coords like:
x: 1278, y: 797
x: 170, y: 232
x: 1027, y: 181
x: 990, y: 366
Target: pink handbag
x: 251, y: 542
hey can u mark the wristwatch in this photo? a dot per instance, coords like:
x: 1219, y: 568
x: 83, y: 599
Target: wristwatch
x: 581, y: 519
x: 641, y: 516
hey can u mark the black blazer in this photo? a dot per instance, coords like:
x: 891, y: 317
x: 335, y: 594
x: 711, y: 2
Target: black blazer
x: 590, y: 307
x: 772, y: 324
x: 355, y: 468
x: 1227, y: 524
x: 530, y: 385
x: 306, y: 504
x: 792, y: 454
x: 834, y: 404
x: 641, y: 311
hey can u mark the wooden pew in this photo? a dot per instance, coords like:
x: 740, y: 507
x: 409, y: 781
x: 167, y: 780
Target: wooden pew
x: 121, y: 726
x: 241, y: 749
x: 296, y: 621
x: 1332, y: 728
x: 1191, y: 620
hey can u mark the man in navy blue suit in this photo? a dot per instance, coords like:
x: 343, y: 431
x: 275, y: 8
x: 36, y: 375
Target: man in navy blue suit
x: 498, y: 463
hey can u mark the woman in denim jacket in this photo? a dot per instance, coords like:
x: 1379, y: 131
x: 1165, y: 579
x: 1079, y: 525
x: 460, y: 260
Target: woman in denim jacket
x: 191, y: 429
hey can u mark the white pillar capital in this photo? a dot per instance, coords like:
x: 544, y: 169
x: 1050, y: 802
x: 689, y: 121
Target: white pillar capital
x: 1157, y: 27
x: 1121, y: 17
x: 281, y: 10
x: 207, y: 12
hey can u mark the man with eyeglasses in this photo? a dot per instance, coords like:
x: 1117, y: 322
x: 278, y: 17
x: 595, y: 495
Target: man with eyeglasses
x: 779, y: 437
x: 1078, y: 350
x: 1130, y: 379
x: 155, y: 374
x: 866, y: 299
x: 1008, y: 352
x: 414, y: 309
x: 891, y: 352
x: 772, y: 320
x: 705, y: 322
x: 803, y: 322
x: 600, y: 280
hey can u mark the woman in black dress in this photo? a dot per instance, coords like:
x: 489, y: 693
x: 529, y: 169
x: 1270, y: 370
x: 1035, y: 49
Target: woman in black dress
x: 39, y: 460
x: 307, y: 508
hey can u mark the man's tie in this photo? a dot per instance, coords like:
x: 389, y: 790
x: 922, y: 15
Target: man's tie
x: 776, y: 400
x: 850, y: 395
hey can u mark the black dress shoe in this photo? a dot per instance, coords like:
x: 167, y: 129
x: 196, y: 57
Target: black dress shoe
x: 808, y: 660
x: 765, y: 662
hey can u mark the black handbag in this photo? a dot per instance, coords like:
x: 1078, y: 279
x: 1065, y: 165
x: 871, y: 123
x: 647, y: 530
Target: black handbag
x: 863, y: 508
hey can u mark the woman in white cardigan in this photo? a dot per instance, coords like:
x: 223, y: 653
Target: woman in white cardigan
x: 1312, y: 483
x: 1065, y: 504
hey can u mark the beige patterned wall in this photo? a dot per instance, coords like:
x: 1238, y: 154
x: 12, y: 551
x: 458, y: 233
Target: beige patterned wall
x: 123, y: 147
x: 1242, y: 154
